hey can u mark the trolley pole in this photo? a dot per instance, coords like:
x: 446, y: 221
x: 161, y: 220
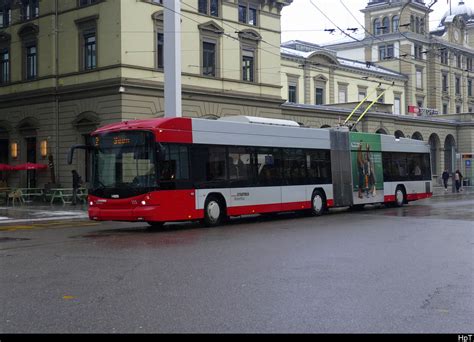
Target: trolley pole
x: 172, y: 58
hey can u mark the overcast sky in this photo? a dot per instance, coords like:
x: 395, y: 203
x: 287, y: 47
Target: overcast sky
x: 302, y: 21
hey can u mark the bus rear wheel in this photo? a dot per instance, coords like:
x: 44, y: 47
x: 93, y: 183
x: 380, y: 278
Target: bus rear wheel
x: 399, y: 196
x: 214, y: 212
x: 318, y: 203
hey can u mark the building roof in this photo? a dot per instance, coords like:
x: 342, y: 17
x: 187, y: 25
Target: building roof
x: 463, y: 8
x: 301, y: 49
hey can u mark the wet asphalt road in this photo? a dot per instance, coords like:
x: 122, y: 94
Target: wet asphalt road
x: 405, y: 269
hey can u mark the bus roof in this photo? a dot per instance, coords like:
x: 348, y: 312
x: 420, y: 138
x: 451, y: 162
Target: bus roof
x: 147, y: 124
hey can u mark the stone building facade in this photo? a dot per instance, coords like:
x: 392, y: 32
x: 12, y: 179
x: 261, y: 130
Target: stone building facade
x: 68, y: 67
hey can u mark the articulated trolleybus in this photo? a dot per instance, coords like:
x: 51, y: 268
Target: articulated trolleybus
x: 181, y: 169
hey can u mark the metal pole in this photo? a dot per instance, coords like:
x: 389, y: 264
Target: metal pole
x: 172, y: 58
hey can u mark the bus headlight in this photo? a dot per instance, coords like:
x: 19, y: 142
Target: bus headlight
x: 143, y: 203
x: 91, y: 203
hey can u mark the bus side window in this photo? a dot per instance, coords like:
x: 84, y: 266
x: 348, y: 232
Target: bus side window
x: 175, y: 163
x: 216, y: 164
x: 318, y: 163
x: 241, y: 166
x: 269, y: 166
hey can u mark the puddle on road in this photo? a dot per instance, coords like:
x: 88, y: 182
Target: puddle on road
x: 8, y: 239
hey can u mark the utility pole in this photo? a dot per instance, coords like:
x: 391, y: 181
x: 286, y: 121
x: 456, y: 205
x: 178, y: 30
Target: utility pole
x: 172, y: 58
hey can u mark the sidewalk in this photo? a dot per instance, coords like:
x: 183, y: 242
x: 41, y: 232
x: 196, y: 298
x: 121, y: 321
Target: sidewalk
x: 440, y: 191
x: 35, y: 212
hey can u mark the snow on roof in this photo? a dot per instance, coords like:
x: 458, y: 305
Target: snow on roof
x: 366, y: 66
x: 370, y: 67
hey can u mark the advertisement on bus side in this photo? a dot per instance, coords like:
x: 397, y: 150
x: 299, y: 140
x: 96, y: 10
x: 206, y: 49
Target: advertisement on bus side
x: 367, y: 171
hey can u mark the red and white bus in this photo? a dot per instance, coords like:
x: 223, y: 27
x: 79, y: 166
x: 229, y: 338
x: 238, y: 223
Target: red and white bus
x: 181, y: 169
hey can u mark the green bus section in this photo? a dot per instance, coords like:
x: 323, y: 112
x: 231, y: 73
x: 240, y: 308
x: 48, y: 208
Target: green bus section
x: 367, y: 170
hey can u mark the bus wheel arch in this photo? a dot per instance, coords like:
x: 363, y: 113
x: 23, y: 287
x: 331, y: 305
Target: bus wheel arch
x: 319, y: 203
x: 215, y: 210
x: 400, y: 195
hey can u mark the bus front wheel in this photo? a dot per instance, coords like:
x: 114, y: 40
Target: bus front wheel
x: 399, y: 196
x: 214, y: 212
x: 318, y: 203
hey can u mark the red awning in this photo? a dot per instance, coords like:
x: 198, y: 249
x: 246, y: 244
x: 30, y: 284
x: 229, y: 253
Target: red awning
x: 30, y: 166
x: 5, y: 167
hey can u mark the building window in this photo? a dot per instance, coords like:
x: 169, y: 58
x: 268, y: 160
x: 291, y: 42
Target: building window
x: 444, y: 82
x: 210, y: 41
x: 342, y: 93
x: 395, y: 23
x: 386, y: 52
x: 445, y: 108
x: 29, y: 9
x: 377, y: 27
x: 248, y: 65
x: 469, y: 64
x: 457, y: 85
x: 419, y: 102
x: 397, y: 104
x: 160, y: 43
x: 248, y: 51
x: 385, y: 25
x: 209, y: 59
x: 4, y: 66
x: 31, y: 62
x: 247, y: 13
x: 469, y: 87
x: 458, y: 109
x: 159, y: 39
x: 292, y: 93
x: 87, y: 2
x: 5, y: 14
x: 418, y: 51
x: 90, y: 51
x: 209, y: 7
x: 444, y: 57
x: 381, y: 99
x: 319, y: 100
x: 419, y: 78
x: 458, y: 61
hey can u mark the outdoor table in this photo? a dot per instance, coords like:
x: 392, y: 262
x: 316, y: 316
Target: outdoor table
x: 65, y: 194
x: 27, y: 193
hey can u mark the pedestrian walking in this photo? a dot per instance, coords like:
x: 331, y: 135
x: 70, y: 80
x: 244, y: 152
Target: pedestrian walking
x: 76, y: 184
x: 458, y: 180
x: 445, y: 178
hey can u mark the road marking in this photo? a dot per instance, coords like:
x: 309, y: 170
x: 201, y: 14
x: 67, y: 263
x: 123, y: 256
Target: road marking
x: 52, y: 225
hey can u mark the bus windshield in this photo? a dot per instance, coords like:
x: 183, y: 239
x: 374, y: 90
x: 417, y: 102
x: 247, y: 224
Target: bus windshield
x: 124, y: 164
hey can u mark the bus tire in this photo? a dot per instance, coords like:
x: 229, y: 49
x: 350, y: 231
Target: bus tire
x: 318, y: 203
x: 155, y: 225
x: 214, y: 211
x: 399, y: 196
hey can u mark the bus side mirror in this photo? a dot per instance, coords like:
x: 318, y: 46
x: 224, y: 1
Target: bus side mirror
x: 70, y: 154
